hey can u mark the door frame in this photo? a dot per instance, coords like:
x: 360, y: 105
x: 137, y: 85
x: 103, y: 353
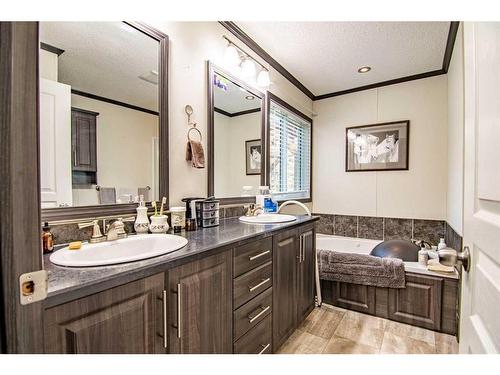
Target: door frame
x: 20, y: 221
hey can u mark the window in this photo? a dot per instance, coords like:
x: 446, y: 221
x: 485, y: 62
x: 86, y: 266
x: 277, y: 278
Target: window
x: 289, y: 151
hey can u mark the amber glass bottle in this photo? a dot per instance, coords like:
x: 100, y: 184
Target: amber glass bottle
x: 47, y: 239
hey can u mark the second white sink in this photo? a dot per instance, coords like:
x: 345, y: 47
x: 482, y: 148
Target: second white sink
x: 120, y: 251
x: 268, y: 219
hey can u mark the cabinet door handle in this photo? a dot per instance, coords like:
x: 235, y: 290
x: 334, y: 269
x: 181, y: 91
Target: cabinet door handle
x: 179, y: 317
x: 264, y: 348
x: 304, y: 247
x: 259, y: 255
x: 301, y: 248
x: 253, y: 319
x: 165, y: 338
x: 74, y: 156
x: 252, y: 288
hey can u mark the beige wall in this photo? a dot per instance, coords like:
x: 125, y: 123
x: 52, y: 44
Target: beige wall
x: 454, y: 211
x: 48, y: 65
x: 124, y: 148
x: 419, y: 192
x: 229, y: 152
x: 191, y: 45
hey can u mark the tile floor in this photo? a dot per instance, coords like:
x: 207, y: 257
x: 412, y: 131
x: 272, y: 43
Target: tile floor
x: 332, y: 330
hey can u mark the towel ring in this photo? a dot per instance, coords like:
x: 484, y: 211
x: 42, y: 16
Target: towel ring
x: 189, y: 133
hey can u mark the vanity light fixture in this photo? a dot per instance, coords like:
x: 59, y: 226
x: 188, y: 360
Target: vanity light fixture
x: 248, y: 69
x: 231, y: 56
x: 364, y: 69
x: 263, y: 78
x: 249, y: 97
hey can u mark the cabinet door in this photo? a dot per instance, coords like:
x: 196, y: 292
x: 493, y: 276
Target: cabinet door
x: 419, y: 303
x: 305, y: 275
x: 83, y: 140
x: 126, y: 319
x: 200, y: 306
x: 285, y: 260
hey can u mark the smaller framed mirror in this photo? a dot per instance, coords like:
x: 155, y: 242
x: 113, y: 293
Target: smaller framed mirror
x: 236, y: 137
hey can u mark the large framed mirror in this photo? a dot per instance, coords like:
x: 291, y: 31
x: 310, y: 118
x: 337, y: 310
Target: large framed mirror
x: 236, y: 130
x: 103, y: 103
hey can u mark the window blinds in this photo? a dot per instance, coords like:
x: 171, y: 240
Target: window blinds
x: 290, y: 154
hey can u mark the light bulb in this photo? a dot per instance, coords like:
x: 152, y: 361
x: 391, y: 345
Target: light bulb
x: 231, y: 57
x: 263, y: 78
x: 248, y: 69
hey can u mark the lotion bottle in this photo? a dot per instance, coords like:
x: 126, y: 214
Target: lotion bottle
x: 141, y: 224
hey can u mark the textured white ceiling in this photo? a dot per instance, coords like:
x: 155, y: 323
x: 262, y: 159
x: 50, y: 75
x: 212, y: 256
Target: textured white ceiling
x: 105, y: 59
x: 325, y: 56
x: 233, y: 100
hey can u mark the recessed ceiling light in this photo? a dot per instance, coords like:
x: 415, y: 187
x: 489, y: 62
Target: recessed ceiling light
x: 364, y: 69
x: 249, y: 97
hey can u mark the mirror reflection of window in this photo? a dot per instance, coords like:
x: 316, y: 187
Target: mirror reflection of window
x: 99, y: 120
x: 237, y: 139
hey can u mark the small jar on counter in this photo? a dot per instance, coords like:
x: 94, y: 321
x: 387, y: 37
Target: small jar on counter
x: 47, y: 239
x: 178, y: 217
x: 423, y: 257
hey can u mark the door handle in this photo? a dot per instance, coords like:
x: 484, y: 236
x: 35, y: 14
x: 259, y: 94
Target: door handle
x: 465, y: 258
x: 165, y: 339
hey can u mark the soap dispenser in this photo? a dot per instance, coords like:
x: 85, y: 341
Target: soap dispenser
x: 141, y: 224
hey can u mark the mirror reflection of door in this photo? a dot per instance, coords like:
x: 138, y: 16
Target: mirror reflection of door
x: 99, y: 120
x: 237, y: 139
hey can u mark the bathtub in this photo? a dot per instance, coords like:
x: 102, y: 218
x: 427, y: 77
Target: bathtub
x: 345, y: 244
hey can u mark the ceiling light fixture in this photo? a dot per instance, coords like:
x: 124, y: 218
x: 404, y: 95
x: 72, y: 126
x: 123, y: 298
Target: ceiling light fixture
x: 249, y: 97
x: 364, y: 69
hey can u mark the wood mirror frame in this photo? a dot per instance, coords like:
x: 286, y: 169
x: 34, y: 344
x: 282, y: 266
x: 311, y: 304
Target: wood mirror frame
x: 68, y: 213
x: 211, y: 70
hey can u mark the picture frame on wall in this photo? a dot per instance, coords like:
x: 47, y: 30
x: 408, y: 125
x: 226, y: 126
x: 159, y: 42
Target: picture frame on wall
x: 253, y: 153
x: 378, y: 147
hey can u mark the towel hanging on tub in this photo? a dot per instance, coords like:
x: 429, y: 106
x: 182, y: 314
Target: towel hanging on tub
x: 194, y: 151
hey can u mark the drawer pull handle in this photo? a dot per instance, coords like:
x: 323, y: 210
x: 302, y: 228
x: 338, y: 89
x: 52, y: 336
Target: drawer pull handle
x: 259, y: 255
x: 251, y: 320
x: 264, y: 348
x: 252, y: 288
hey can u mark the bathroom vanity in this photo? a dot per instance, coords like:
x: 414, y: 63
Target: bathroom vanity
x: 236, y: 288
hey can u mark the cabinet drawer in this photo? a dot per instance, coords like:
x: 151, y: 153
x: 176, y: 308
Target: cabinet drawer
x: 251, y: 255
x: 252, y: 313
x: 252, y: 283
x: 257, y: 340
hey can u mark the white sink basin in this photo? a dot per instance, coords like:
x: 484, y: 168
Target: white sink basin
x: 120, y: 251
x: 268, y: 219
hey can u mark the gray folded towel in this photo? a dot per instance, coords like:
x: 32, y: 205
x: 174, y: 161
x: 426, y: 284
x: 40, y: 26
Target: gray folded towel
x: 361, y: 269
x: 107, y: 195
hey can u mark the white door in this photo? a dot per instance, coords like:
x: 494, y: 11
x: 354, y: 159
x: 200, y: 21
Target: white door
x: 480, y: 312
x: 55, y: 144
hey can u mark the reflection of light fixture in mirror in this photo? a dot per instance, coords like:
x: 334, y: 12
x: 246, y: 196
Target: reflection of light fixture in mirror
x: 263, y: 78
x: 249, y: 97
x: 248, y: 69
x: 231, y: 57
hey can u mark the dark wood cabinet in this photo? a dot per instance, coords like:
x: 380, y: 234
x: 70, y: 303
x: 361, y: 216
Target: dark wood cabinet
x: 200, y: 306
x: 305, y: 274
x: 125, y: 319
x: 83, y: 140
x: 419, y: 303
x: 285, y: 260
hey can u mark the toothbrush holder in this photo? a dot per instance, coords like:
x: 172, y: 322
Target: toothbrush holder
x: 159, y: 224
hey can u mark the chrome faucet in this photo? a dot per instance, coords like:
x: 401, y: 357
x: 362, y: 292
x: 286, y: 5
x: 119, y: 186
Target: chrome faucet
x: 284, y: 204
x: 252, y: 209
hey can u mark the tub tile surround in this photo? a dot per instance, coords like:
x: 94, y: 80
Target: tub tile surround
x: 386, y: 228
x: 333, y: 330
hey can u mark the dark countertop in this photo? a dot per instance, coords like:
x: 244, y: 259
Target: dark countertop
x: 68, y: 283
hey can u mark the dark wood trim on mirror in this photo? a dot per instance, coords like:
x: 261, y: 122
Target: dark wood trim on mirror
x: 113, y: 101
x: 271, y: 97
x: 66, y: 213
x: 211, y: 70
x: 50, y: 48
x: 241, y: 35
